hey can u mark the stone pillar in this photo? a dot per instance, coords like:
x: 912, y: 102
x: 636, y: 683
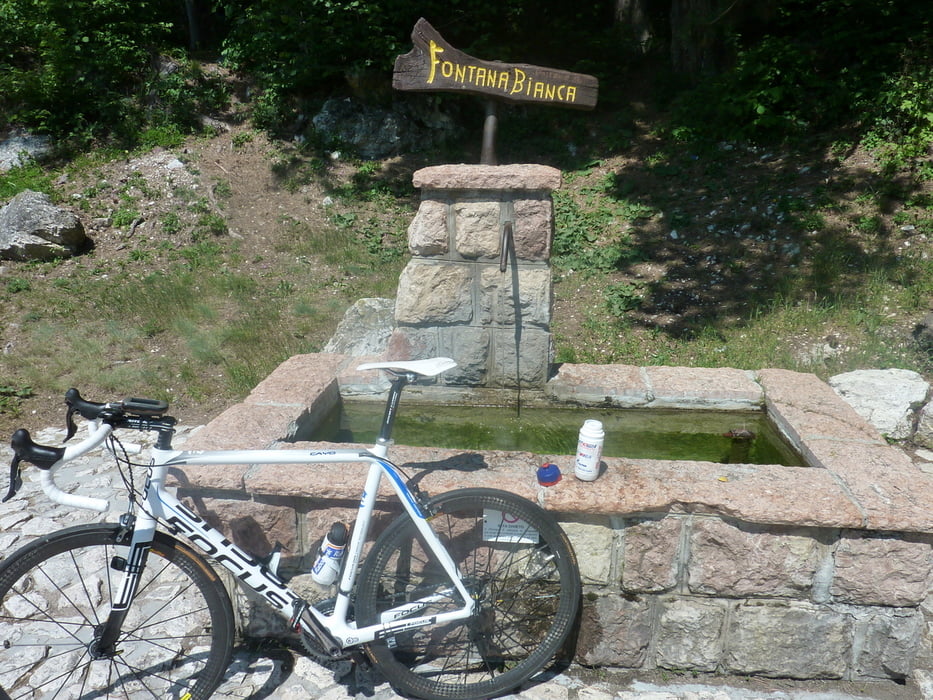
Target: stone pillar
x: 453, y: 298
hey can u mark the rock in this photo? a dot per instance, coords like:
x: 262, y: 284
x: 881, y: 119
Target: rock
x: 376, y: 132
x: 20, y: 147
x: 923, y: 333
x: 32, y: 228
x: 365, y: 328
x: 886, y: 398
x: 924, y: 434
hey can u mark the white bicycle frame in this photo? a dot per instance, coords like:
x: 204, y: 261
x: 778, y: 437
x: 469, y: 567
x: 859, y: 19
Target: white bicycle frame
x: 159, y: 503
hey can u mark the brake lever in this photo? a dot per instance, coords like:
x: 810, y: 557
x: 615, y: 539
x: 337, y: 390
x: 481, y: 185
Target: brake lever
x: 72, y: 428
x: 16, y: 479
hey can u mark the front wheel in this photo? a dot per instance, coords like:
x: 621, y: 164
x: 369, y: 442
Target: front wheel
x: 521, y: 572
x: 55, y: 593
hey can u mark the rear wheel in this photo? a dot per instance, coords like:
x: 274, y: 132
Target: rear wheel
x: 176, y: 641
x: 520, y: 569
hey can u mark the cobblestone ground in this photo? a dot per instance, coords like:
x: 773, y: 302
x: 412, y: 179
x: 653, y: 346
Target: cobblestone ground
x: 272, y: 671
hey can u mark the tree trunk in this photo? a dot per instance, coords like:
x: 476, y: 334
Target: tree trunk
x: 695, y: 35
x: 634, y: 18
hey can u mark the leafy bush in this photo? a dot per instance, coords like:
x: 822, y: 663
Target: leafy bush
x: 820, y: 65
x: 90, y: 68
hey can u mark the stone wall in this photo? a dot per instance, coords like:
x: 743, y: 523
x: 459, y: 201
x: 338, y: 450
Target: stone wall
x: 711, y: 594
x: 454, y: 299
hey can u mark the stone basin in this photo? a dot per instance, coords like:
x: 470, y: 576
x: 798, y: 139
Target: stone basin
x: 820, y: 571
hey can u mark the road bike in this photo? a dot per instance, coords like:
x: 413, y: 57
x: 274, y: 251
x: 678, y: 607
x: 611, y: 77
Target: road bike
x: 468, y: 594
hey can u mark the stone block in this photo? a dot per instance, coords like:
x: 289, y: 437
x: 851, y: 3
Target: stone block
x: 651, y: 550
x: 533, y: 231
x: 255, y: 527
x: 427, y: 233
x: 470, y: 347
x: 805, y: 407
x: 690, y: 633
x: 411, y: 343
x: 500, y: 304
x: 525, y: 176
x: 477, y: 228
x: 720, y: 388
x: 302, y: 380
x: 740, y: 560
x: 787, y: 639
x: 890, y: 640
x: 623, y: 386
x: 593, y: 541
x: 520, y: 360
x: 889, y: 490
x: 432, y: 293
x: 614, y: 631
x: 878, y: 570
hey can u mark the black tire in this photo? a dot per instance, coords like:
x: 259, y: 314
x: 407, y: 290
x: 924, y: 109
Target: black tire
x: 520, y: 568
x: 176, y: 641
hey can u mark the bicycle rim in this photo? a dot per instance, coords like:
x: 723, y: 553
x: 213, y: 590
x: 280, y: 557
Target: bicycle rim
x: 520, y: 569
x: 176, y: 641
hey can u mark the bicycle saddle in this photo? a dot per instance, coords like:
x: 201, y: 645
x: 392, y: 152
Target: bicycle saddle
x: 424, y: 368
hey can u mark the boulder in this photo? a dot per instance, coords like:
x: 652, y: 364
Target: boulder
x: 32, y: 228
x: 20, y: 147
x: 365, y: 328
x: 886, y: 398
x: 924, y: 434
x: 376, y: 132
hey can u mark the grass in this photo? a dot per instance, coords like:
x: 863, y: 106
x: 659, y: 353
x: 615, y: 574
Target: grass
x: 779, y: 268
x: 191, y: 318
x: 821, y: 279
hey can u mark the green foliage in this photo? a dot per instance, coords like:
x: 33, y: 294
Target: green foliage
x: 294, y: 50
x: 73, y: 68
x: 588, y: 236
x: 623, y: 297
x: 29, y: 176
x: 11, y: 397
x: 822, y: 65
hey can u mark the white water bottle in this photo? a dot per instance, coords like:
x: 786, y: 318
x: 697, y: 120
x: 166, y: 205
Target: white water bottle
x: 589, y: 450
x: 327, y: 565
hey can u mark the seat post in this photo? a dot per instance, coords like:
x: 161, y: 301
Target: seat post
x: 399, y: 381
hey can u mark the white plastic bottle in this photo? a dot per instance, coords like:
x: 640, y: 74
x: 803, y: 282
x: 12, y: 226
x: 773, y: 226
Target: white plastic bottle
x: 327, y: 565
x: 589, y: 450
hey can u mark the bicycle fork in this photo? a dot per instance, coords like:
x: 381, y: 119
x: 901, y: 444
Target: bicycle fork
x: 107, y: 634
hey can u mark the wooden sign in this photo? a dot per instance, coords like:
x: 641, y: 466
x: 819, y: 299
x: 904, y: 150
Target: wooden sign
x: 434, y: 65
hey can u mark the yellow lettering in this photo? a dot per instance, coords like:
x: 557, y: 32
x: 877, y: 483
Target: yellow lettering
x: 434, y: 49
x: 550, y: 91
x: 571, y: 93
x: 480, y: 75
x: 560, y: 92
x: 519, y: 83
x: 539, y: 89
x: 460, y: 74
x: 447, y: 69
x: 471, y: 71
x: 491, y: 76
x: 503, y: 81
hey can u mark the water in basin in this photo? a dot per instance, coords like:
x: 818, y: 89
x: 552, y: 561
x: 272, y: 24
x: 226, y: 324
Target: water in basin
x: 714, y: 436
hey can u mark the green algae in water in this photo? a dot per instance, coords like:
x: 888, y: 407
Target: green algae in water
x: 636, y: 433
